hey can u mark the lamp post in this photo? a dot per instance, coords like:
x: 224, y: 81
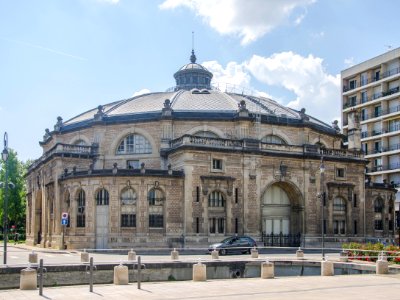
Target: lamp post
x: 4, y: 156
x: 322, y: 196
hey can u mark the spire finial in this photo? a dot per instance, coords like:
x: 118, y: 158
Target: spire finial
x: 193, y: 56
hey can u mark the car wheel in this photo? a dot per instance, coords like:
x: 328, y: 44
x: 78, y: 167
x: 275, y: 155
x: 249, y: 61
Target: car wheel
x: 222, y: 252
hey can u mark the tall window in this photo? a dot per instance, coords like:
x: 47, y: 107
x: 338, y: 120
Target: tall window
x: 273, y: 139
x: 339, y: 204
x: 102, y: 197
x: 156, y: 201
x: 134, y: 144
x: 216, y: 199
x: 217, y: 225
x: 339, y: 227
x: 128, y: 207
x: 378, y: 208
x: 80, y: 216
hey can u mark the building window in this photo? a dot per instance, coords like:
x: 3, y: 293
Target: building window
x: 236, y: 195
x: 128, y: 220
x: 355, y: 228
x: 81, y: 216
x: 197, y: 225
x: 197, y: 194
x: 390, y: 225
x: 273, y: 139
x: 236, y: 225
x: 340, y: 173
x: 134, y: 144
x: 155, y: 197
x: 156, y: 200
x: 128, y: 207
x: 216, y: 199
x: 339, y: 227
x: 132, y: 164
x: 354, y: 200
x: 217, y: 225
x: 339, y: 205
x: 378, y: 208
x: 217, y: 164
x: 352, y: 84
x: 156, y: 221
x: 128, y: 197
x: 102, y: 197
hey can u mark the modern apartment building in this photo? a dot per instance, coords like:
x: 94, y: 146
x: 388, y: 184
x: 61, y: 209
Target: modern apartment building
x: 371, y: 115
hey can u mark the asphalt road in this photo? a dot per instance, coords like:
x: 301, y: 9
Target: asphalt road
x: 18, y: 255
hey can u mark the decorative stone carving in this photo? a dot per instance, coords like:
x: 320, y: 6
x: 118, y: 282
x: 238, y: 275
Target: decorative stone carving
x: 100, y: 113
x: 59, y: 124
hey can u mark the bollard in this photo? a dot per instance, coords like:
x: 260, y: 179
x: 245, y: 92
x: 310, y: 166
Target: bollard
x: 327, y: 268
x: 382, y: 265
x: 121, y: 276
x: 214, y: 254
x: 84, y: 256
x: 41, y: 276
x: 91, y: 275
x: 199, y: 272
x: 267, y: 270
x: 174, y: 254
x: 131, y: 255
x: 28, y: 279
x: 344, y: 257
x: 300, y: 253
x: 254, y: 252
x: 139, y: 272
x: 33, y: 257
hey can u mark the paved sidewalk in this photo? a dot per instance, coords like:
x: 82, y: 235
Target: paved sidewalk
x: 311, y: 287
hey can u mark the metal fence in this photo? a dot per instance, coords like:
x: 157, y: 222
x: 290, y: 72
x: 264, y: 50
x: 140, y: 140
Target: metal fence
x: 281, y: 240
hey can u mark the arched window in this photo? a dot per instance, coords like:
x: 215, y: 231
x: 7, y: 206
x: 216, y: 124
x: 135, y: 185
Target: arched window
x: 134, y: 144
x: 80, y: 142
x: 339, y: 204
x: 81, y: 203
x: 273, y: 139
x: 102, y: 197
x: 128, y: 207
x: 209, y: 134
x: 378, y: 208
x: 156, y: 200
x: 216, y: 199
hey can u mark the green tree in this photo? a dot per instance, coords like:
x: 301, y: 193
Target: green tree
x: 16, y: 195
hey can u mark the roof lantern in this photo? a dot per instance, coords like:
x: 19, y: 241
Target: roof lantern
x: 193, y: 76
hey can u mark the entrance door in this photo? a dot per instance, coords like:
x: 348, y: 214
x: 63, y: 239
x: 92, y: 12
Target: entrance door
x: 101, y: 226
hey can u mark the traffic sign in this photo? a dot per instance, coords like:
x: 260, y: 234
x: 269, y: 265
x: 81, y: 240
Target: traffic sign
x: 64, y: 221
x: 64, y: 215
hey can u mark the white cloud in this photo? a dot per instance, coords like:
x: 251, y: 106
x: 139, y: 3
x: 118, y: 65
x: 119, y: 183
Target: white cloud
x: 141, y: 92
x: 234, y: 74
x: 315, y: 89
x: 248, y: 19
x: 349, y: 62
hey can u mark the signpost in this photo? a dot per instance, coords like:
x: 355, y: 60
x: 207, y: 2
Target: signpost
x: 64, y: 223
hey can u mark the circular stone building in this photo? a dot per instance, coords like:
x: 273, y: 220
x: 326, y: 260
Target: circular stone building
x: 195, y: 164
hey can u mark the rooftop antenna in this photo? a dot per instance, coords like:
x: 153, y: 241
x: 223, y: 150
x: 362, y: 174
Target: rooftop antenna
x: 193, y: 56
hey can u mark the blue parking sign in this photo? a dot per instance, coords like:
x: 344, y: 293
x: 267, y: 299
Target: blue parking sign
x: 64, y: 221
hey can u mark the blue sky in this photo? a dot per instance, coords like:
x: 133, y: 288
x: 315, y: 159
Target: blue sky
x: 61, y: 58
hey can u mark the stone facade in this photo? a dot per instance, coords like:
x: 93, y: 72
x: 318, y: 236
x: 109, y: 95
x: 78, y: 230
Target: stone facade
x: 183, y: 171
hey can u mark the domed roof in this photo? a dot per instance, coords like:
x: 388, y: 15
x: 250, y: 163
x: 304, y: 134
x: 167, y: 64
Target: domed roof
x: 193, y: 98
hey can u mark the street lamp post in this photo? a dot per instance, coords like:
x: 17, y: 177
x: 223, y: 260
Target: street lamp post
x: 322, y: 196
x: 4, y: 156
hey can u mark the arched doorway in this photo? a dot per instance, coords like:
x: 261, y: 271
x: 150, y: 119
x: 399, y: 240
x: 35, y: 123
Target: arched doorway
x: 281, y: 217
x: 102, y: 203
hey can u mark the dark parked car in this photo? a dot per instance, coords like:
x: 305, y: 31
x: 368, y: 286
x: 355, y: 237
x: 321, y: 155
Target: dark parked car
x: 234, y: 244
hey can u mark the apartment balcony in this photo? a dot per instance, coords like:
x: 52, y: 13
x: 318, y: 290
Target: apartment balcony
x: 193, y: 142
x: 384, y: 150
x: 386, y: 132
x: 65, y: 150
x: 363, y: 100
x: 382, y: 168
x: 367, y: 81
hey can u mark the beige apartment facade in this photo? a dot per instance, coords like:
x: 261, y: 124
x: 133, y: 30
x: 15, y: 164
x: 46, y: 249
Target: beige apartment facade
x: 371, y: 115
x: 193, y: 165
